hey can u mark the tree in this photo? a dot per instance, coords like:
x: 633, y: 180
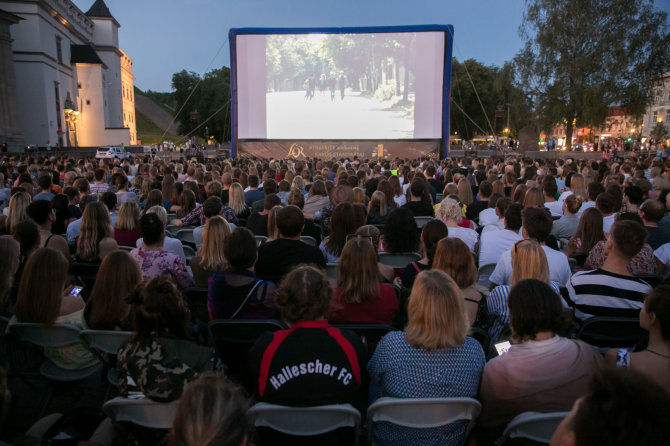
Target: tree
x: 658, y: 132
x: 582, y: 56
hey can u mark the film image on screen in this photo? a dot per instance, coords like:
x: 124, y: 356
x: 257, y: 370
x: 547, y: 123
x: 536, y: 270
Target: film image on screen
x: 357, y: 86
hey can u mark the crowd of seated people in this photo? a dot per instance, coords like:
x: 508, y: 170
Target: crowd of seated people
x: 564, y: 242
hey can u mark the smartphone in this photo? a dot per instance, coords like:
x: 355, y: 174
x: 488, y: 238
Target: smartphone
x: 502, y: 347
x: 76, y: 290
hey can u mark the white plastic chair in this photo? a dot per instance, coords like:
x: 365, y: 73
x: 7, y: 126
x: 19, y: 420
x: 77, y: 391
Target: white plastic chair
x: 304, y: 421
x: 535, y: 426
x: 422, y: 413
x: 54, y: 336
x: 142, y: 411
x: 108, y: 342
x: 484, y: 273
x: 308, y: 240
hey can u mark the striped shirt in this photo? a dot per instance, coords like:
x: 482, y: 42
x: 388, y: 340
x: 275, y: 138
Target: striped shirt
x: 603, y: 293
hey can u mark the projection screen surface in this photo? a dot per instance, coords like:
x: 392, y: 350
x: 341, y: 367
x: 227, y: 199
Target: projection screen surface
x: 339, y: 86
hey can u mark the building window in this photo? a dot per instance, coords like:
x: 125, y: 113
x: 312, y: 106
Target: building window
x: 59, y: 49
x: 667, y: 116
x: 655, y: 116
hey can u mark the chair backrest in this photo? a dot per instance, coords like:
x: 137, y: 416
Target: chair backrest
x: 108, y: 341
x: 242, y: 331
x: 613, y: 332
x: 186, y: 235
x: 126, y: 248
x: 260, y: 239
x: 196, y: 299
x: 171, y: 230
x: 142, y: 411
x: 534, y: 426
x: 438, y: 198
x: 423, y: 413
x: 420, y: 221
x: 56, y: 335
x: 304, y: 421
x: 189, y: 252
x: 484, y: 273
x: 308, y: 239
x: 398, y: 260
x: 372, y: 333
x: 333, y: 270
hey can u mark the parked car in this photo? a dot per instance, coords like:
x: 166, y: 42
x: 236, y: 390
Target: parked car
x: 112, y: 152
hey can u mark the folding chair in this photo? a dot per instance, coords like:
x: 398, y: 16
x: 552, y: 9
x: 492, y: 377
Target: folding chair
x: 422, y: 413
x: 370, y: 333
x: 308, y: 240
x: 189, y: 253
x: 171, y: 230
x: 108, y: 343
x: 534, y: 426
x: 141, y: 411
x: 260, y: 239
x: 398, y: 260
x: 484, y: 273
x: 186, y: 237
x: 304, y: 421
x: 333, y: 270
x: 438, y: 198
x: 420, y: 221
x: 613, y: 332
x: 126, y: 248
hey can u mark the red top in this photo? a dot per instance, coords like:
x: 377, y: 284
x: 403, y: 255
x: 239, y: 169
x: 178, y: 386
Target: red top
x: 126, y: 238
x: 379, y: 310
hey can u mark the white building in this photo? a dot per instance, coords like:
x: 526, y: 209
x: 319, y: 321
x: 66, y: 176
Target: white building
x: 659, y: 110
x: 70, y: 75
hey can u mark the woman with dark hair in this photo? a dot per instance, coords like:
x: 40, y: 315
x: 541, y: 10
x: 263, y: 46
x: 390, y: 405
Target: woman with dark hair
x: 60, y: 205
x: 420, y: 203
x: 153, y: 259
x: 360, y: 296
x: 212, y: 412
x: 431, y: 233
x: 317, y: 198
x: 589, y: 232
x: 387, y: 189
x: 324, y: 363
x: 106, y: 308
x: 400, y: 233
x: 342, y: 223
x: 541, y: 371
x: 158, y: 357
x: 399, y: 198
x: 236, y: 292
x: 45, y: 298
x: 654, y: 361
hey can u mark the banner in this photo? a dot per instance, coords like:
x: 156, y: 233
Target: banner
x: 327, y: 150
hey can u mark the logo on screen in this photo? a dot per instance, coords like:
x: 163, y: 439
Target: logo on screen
x: 296, y: 151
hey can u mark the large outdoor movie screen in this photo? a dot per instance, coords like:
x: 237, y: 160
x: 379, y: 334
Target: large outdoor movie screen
x: 354, y: 86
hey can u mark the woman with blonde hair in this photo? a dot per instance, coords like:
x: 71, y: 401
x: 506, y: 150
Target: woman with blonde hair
x: 106, y: 308
x: 299, y: 183
x: 212, y: 412
x: 465, y: 192
x: 377, y: 208
x: 236, y: 201
x: 533, y: 198
x: 126, y: 227
x: 45, y: 298
x: 451, y: 215
x: 273, y: 230
x: 18, y: 204
x: 210, y: 257
x: 453, y: 257
x: 432, y: 358
x: 96, y: 237
x: 360, y: 296
x: 576, y: 186
x: 359, y: 195
x: 528, y: 262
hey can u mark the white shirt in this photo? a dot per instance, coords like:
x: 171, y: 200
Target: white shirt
x: 493, y: 244
x: 170, y: 244
x: 564, y: 195
x: 607, y: 223
x: 586, y: 205
x: 559, y: 268
x: 663, y: 255
x: 497, y: 225
x: 469, y: 236
x: 400, y: 199
x: 488, y: 216
x: 555, y: 207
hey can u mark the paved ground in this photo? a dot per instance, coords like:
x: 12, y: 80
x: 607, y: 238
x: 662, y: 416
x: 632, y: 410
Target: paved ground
x: 358, y: 117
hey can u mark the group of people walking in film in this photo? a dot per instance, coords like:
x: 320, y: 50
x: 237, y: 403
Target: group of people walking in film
x: 332, y: 82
